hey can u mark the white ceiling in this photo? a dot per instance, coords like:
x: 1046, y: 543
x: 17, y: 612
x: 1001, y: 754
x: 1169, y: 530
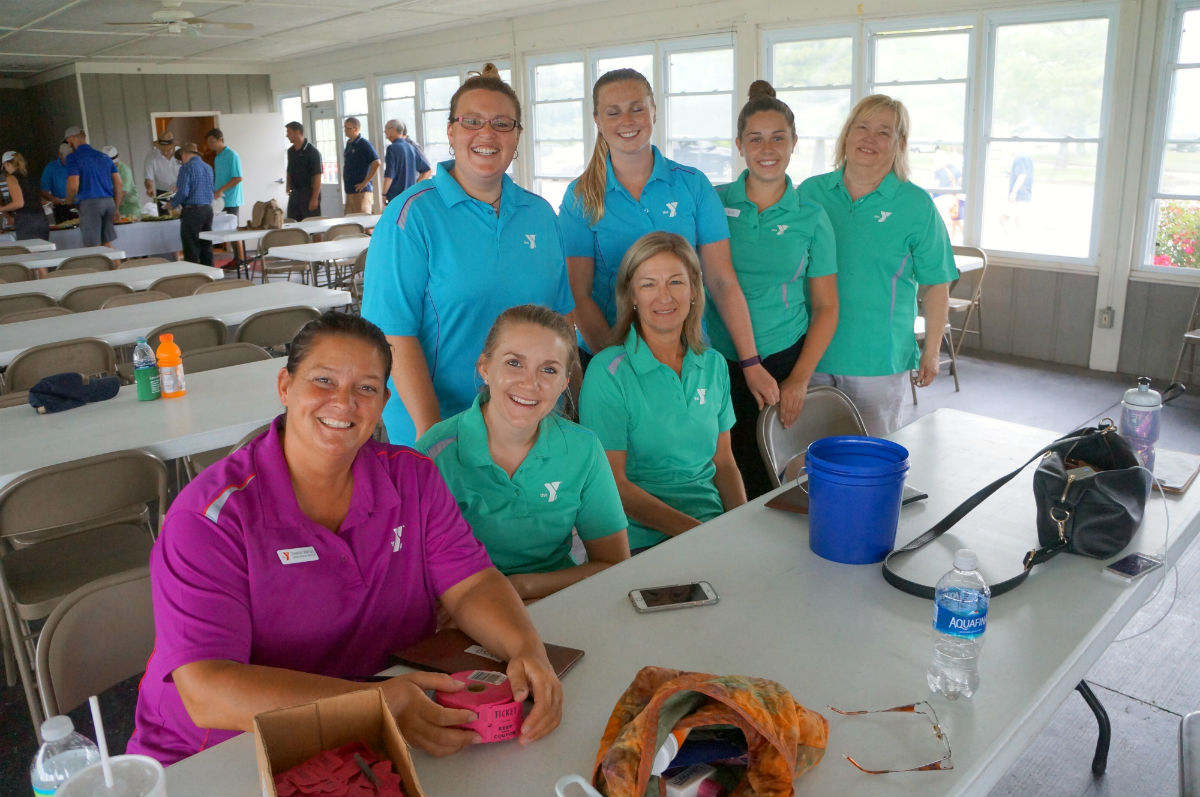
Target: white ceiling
x: 37, y: 35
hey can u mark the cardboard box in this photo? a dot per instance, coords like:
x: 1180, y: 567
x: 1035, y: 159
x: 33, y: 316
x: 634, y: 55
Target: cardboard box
x: 287, y: 737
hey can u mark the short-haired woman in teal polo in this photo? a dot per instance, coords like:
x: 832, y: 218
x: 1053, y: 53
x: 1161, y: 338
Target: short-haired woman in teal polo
x: 786, y: 263
x: 659, y: 399
x: 523, y: 475
x: 890, y: 239
x: 629, y: 189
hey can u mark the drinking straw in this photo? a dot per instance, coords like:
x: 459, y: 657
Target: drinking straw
x: 101, y: 742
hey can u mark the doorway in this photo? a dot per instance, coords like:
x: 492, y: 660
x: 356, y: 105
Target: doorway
x: 324, y: 133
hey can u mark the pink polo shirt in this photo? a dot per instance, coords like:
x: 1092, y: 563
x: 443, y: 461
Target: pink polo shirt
x: 240, y: 573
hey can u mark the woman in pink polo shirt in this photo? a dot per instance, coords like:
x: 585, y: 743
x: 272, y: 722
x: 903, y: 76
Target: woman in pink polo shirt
x: 296, y: 565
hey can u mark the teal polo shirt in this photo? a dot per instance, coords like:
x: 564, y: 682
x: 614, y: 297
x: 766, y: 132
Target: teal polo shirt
x: 676, y: 198
x: 525, y: 522
x: 774, y: 254
x: 227, y: 166
x: 442, y: 266
x: 888, y: 242
x: 667, y: 425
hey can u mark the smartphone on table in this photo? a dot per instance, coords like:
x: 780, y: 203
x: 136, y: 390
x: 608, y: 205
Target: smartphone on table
x: 1134, y: 565
x: 674, y: 596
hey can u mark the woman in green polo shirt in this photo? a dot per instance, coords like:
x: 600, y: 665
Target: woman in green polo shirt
x: 659, y: 400
x: 783, y: 253
x: 890, y: 239
x: 523, y: 475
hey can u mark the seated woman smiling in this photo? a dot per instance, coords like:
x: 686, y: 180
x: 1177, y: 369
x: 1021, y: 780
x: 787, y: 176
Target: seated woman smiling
x: 523, y: 475
x: 299, y: 563
x: 659, y: 399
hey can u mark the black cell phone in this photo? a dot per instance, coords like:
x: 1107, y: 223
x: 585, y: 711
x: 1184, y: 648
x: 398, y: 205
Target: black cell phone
x: 1134, y: 565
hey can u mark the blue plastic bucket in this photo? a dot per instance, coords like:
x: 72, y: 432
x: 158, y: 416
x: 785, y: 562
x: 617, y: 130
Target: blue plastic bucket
x: 854, y: 489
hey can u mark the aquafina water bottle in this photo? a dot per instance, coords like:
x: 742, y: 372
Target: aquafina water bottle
x: 960, y: 608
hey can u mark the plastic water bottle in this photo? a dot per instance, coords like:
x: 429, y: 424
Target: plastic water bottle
x: 960, y: 608
x: 63, y: 753
x: 145, y: 371
x: 1140, y: 411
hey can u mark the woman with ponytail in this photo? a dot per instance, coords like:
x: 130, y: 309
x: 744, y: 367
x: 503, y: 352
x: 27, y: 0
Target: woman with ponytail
x: 629, y: 189
x: 451, y: 253
x: 783, y: 253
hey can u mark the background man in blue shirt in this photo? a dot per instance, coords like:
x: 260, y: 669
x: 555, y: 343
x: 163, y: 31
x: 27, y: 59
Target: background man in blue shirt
x: 403, y: 161
x: 194, y: 193
x: 93, y: 181
x: 360, y: 162
x: 54, y: 184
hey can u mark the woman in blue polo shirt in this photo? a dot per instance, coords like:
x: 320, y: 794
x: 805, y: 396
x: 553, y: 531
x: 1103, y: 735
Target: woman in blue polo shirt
x: 451, y: 253
x: 659, y: 400
x: 890, y: 239
x: 523, y: 475
x: 785, y: 260
x: 629, y: 189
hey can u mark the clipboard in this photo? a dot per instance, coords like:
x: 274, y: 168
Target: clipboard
x: 451, y: 651
x: 796, y: 498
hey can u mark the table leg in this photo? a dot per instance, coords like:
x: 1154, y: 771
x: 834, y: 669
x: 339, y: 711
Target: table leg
x: 1100, y: 759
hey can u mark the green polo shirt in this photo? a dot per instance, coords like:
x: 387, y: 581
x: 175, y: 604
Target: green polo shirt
x: 525, y: 522
x: 888, y: 242
x: 667, y: 425
x: 774, y: 252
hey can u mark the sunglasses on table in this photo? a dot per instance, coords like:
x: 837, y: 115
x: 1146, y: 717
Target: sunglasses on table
x: 501, y: 124
x: 925, y: 710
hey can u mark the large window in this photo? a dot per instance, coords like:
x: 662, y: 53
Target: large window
x: 1045, y: 134
x: 1174, y: 239
x: 561, y: 105
x: 700, y: 115
x: 398, y: 100
x: 927, y: 69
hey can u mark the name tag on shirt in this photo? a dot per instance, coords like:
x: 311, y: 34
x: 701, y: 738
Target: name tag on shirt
x: 291, y: 556
x: 735, y: 212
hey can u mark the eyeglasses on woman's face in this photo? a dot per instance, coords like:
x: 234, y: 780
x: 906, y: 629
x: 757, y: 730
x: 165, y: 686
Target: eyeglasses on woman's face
x: 501, y: 124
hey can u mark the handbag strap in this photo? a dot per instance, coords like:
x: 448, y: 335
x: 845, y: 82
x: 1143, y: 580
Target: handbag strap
x: 1034, y: 557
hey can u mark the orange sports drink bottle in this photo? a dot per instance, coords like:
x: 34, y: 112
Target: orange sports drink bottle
x: 170, y: 367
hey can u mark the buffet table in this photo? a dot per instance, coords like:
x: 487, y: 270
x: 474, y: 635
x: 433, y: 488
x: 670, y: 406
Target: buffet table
x: 137, y: 239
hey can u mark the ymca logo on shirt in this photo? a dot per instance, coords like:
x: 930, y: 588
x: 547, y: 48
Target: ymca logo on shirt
x: 883, y: 215
x: 700, y: 391
x: 397, y: 543
x: 531, y: 241
x: 670, y: 211
x: 780, y: 229
x: 551, y: 491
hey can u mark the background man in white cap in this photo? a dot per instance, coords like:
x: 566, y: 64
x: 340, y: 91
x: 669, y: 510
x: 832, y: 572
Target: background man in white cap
x: 130, y: 207
x: 161, y: 169
x: 92, y: 179
x: 54, y: 184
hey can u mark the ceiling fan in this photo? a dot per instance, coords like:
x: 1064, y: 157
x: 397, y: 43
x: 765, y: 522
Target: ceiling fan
x: 174, y: 18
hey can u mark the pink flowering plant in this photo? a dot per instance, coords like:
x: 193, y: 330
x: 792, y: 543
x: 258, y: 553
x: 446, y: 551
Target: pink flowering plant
x: 1178, y: 242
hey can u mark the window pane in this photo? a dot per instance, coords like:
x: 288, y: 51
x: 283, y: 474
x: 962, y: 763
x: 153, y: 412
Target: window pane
x: 811, y: 156
x: 325, y: 137
x: 552, y: 190
x: 642, y: 63
x: 1181, y: 169
x: 1189, y: 38
x: 1049, y: 79
x: 939, y: 171
x: 921, y: 57
x: 291, y: 109
x: 436, y: 145
x: 702, y: 70
x: 559, y: 120
x: 1177, y: 243
x: 558, y: 81
x: 700, y: 117
x: 819, y: 114
x: 401, y: 88
x: 403, y: 109
x: 439, y: 90
x: 1185, y: 105
x: 558, y: 159
x: 1038, y: 197
x: 354, y: 102
x: 819, y: 62
x: 320, y: 93
x: 936, y: 113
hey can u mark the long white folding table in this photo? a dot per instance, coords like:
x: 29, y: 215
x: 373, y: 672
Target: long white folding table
x: 832, y: 634
x: 139, y: 278
x: 54, y: 258
x: 318, y: 226
x: 319, y: 252
x: 32, y: 244
x: 221, y: 407
x: 123, y: 325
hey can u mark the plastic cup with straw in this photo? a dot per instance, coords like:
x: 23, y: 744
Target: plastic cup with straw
x: 127, y: 775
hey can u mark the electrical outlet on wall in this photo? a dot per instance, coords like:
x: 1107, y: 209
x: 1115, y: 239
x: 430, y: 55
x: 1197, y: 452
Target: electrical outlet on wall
x: 1104, y: 317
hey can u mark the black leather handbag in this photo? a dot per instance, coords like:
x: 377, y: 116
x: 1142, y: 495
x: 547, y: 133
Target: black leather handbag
x: 1090, y: 492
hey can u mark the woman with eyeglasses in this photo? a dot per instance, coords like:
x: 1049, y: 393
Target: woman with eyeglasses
x: 629, y: 189
x: 451, y: 253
